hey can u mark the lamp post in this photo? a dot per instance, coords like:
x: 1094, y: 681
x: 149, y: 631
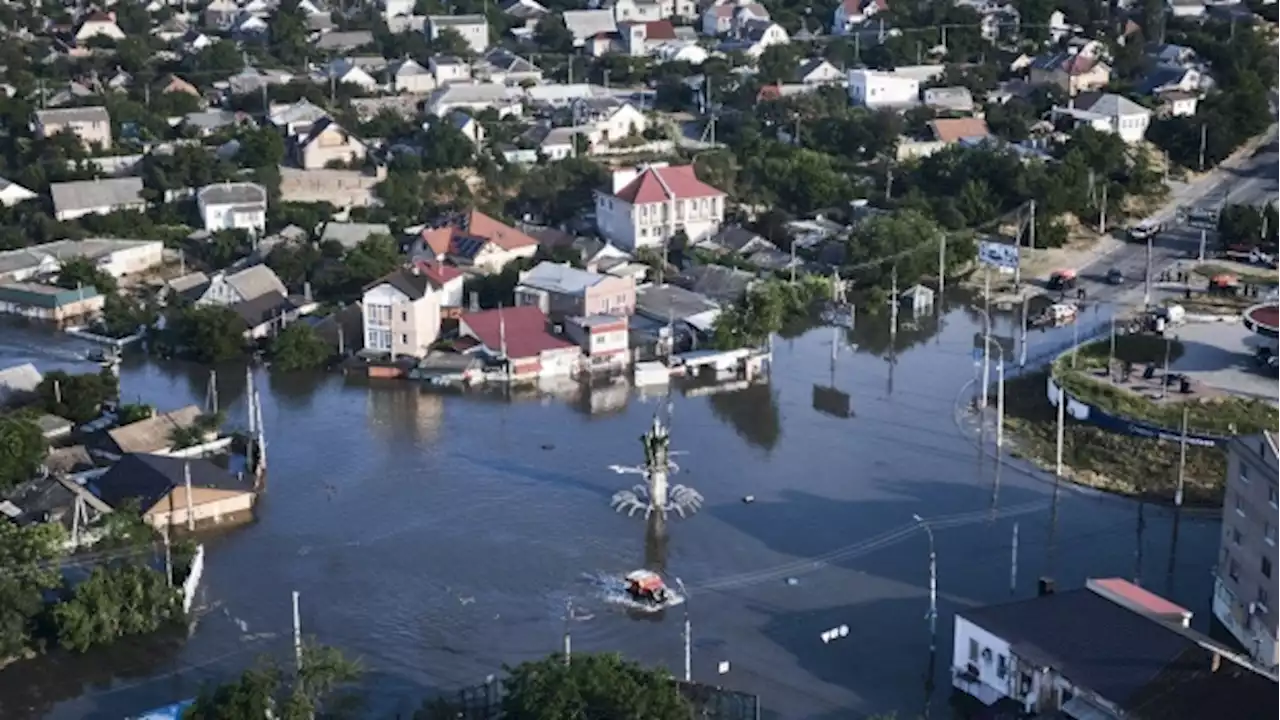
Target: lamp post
x: 688, y: 634
x: 932, y: 617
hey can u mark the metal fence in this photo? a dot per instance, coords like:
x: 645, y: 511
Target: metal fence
x: 710, y: 702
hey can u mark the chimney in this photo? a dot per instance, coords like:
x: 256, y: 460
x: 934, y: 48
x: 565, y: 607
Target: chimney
x: 1216, y: 662
x: 1046, y: 587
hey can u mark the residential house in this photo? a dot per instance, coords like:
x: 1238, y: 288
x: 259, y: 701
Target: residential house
x: 176, y: 492
x: 1170, y: 77
x: 849, y: 14
x: 450, y: 69
x: 470, y: 128
x: 950, y: 131
x: 297, y: 118
x: 220, y: 14
x: 92, y: 125
x: 1244, y: 586
x: 735, y: 240
x: 351, y: 234
x: 266, y: 315
x: 473, y: 98
x: 174, y: 84
x: 117, y: 258
x: 1186, y: 9
x: 473, y: 28
x: 208, y: 122
x: 233, y: 206
x: 346, y: 71
x: 875, y: 89
x: 249, y: 27
x: 754, y: 36
x: 1073, y: 73
x: 447, y: 280
x: 587, y: 24
x: 1176, y: 103
x: 557, y: 143
x: 401, y: 314
x: 253, y: 80
x: 409, y: 76
x: 720, y: 284
x: 158, y: 434
x: 503, y: 66
x: 728, y: 18
x: 344, y: 41
x: 475, y: 241
x: 1107, y: 112
x: 11, y: 193
x: 48, y: 303
x: 561, y: 290
x: 612, y: 118
x: 517, y: 339
x: 525, y: 16
x: 18, y: 384
x: 691, y: 314
x: 327, y: 142
x: 948, y: 99
x: 818, y: 71
x: 98, y: 25
x: 603, y: 339
x: 396, y: 8
x: 634, y: 11
x: 228, y: 289
x: 1102, y: 651
x: 78, y: 198
x: 645, y: 206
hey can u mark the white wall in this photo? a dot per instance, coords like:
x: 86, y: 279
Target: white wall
x: 967, y: 637
x: 872, y: 89
x: 378, y: 307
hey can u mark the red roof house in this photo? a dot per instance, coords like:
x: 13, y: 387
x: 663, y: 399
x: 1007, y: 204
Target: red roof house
x: 478, y: 241
x: 519, y: 335
x: 647, y: 205
x: 445, y: 278
x: 655, y: 184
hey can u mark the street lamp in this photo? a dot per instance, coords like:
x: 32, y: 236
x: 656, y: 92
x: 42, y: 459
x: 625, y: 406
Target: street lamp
x: 688, y: 634
x: 933, y: 585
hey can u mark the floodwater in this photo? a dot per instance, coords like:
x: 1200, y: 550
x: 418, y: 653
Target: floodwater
x: 438, y: 537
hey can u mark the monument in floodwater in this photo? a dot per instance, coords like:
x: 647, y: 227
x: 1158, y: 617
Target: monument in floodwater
x: 656, y: 494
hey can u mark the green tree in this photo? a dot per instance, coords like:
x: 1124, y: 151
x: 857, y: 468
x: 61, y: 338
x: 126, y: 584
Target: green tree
x: 451, y: 42
x: 592, y: 686
x: 80, y: 272
x: 22, y: 449
x: 298, y: 347
x: 270, y: 691
x: 445, y: 147
x: 122, y: 315
x: 206, y: 334
x: 259, y: 147
x: 552, y: 36
x: 29, y: 557
x: 115, y: 601
x: 77, y: 398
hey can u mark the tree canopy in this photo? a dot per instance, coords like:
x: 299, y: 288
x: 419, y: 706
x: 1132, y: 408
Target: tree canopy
x: 268, y: 690
x: 298, y: 347
x: 591, y: 686
x: 22, y: 449
x: 78, y: 398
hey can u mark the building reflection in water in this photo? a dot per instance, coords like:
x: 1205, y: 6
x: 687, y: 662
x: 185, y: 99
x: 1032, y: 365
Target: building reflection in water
x: 398, y: 410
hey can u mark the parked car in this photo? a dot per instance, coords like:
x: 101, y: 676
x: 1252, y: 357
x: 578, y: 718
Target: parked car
x: 1115, y: 276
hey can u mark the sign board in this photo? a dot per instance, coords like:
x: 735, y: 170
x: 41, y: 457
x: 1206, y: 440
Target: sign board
x: 1093, y: 415
x: 998, y: 255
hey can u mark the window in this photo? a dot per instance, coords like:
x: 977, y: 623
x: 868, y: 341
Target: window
x: 1233, y: 570
x: 1239, y: 504
x: 1270, y: 534
x: 1266, y: 567
x: 1244, y: 474
x: 1264, y: 598
x: 404, y: 339
x: 1271, y: 495
x: 404, y: 316
x: 973, y: 650
x: 1237, y: 537
x: 1002, y: 667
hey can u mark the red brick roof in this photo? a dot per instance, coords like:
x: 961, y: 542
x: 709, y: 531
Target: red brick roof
x: 659, y: 30
x: 438, y: 273
x: 477, y: 225
x: 525, y: 330
x: 678, y: 182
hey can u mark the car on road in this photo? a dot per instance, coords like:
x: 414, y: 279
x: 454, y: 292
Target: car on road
x: 1144, y: 231
x: 1115, y: 276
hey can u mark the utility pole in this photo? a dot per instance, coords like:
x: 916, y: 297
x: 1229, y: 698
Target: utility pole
x: 211, y: 394
x: 168, y: 556
x: 986, y: 336
x: 1075, y: 340
x: 1062, y: 424
x: 1204, y: 136
x: 888, y: 180
x: 933, y: 586
x: 1102, y: 211
x: 942, y: 267
x: 1146, y: 295
x: 1000, y: 405
x: 688, y: 639
x: 893, y: 310
x: 1204, y: 237
x: 1164, y: 379
x: 297, y: 633
x: 1182, y: 460
x: 793, y: 263
x: 1111, y: 352
x: 1013, y: 563
x: 186, y: 479
x: 57, y: 392
x: 568, y: 638
x: 1022, y: 346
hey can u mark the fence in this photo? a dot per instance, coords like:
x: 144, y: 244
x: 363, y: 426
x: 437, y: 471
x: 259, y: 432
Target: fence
x: 484, y: 702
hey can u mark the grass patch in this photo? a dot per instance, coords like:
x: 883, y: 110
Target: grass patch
x: 1207, y: 304
x: 1122, y: 464
x: 1259, y: 277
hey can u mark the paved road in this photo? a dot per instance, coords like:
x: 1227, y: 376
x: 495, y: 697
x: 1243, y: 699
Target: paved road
x: 1252, y: 179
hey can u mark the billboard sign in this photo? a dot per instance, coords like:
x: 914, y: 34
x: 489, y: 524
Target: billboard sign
x: 998, y: 255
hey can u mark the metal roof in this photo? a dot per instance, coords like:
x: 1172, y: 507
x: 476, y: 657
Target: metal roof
x: 92, y: 194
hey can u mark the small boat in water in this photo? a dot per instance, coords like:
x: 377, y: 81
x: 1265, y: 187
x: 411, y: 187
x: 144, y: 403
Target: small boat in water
x: 647, y: 587
x: 103, y: 357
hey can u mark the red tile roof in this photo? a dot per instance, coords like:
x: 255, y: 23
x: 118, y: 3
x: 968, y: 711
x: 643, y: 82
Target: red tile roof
x: 1144, y: 599
x: 769, y: 92
x: 677, y: 182
x: 439, y: 274
x: 525, y: 330
x: 659, y: 30
x: 476, y: 224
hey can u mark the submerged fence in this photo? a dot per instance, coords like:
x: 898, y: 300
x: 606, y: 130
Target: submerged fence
x: 710, y: 702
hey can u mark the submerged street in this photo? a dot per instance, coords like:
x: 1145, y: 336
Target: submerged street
x: 437, y: 537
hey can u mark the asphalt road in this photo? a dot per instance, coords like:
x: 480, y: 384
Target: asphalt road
x: 1251, y: 180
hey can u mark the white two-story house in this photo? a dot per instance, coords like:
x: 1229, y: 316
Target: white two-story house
x: 873, y: 89
x: 1108, y: 113
x: 401, y: 314
x: 233, y: 206
x: 646, y: 206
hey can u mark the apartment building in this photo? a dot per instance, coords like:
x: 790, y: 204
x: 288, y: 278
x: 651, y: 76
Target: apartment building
x: 1244, y: 589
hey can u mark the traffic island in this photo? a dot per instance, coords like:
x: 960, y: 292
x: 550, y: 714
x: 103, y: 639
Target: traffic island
x: 1136, y: 452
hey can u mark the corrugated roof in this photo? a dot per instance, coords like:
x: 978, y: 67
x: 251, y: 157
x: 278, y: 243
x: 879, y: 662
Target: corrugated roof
x: 62, y: 116
x: 560, y: 278
x: 93, y: 194
x: 255, y: 281
x: 153, y: 434
x: 44, y: 296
